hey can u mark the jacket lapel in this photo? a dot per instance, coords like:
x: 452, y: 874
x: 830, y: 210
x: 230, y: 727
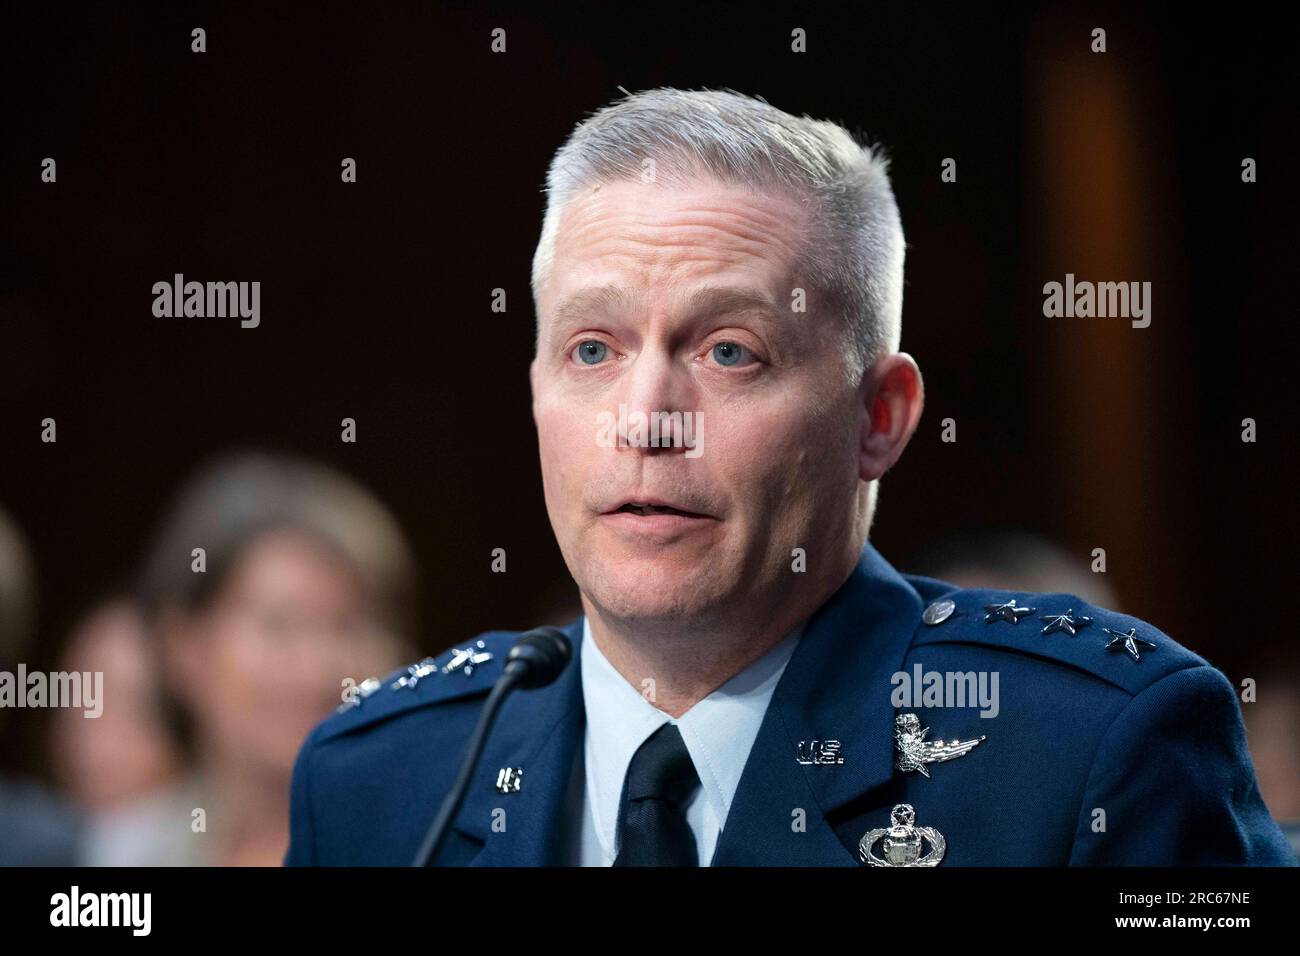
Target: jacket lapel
x: 836, y: 687
x: 538, y: 731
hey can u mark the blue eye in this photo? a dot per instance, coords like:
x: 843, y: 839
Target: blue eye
x: 727, y: 353
x: 591, y: 352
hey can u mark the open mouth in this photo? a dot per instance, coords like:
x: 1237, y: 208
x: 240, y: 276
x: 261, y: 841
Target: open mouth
x: 637, y: 508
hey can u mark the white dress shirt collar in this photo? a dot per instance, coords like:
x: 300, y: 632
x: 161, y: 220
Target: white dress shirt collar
x: 718, y: 732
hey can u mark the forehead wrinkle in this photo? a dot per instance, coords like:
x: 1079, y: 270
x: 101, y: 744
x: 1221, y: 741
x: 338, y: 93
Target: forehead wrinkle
x: 740, y: 232
x: 665, y: 250
x: 726, y: 300
x: 750, y: 223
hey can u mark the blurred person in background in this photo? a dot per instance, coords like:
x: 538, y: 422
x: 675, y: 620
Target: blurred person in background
x: 1013, y: 559
x: 123, y: 767
x: 37, y: 828
x: 305, y: 585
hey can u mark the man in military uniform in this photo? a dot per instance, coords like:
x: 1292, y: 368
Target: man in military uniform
x: 717, y: 390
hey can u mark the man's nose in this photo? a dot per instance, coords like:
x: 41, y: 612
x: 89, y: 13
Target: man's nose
x: 658, y: 391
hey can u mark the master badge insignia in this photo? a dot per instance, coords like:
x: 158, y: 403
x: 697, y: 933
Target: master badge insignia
x: 903, y: 844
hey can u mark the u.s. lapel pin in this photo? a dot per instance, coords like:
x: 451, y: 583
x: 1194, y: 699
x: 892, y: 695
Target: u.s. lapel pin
x: 510, y: 779
x: 824, y: 753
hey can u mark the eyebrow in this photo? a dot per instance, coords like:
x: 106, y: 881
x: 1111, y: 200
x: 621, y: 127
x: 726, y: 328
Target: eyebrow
x: 606, y: 298
x: 714, y: 300
x: 726, y: 299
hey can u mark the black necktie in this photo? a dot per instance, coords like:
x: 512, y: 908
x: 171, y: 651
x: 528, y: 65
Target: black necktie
x: 652, y: 828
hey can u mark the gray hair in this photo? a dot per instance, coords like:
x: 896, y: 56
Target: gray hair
x: 855, y: 255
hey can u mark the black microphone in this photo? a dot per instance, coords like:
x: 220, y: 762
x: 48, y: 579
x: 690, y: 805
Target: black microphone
x: 537, y: 659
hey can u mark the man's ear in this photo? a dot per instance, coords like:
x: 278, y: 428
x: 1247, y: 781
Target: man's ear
x: 894, y: 394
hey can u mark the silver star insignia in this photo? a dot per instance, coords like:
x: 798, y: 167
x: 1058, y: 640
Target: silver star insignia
x: 414, y: 673
x: 1126, y: 642
x: 467, y: 659
x: 1006, y: 612
x: 359, y: 694
x: 1065, y: 622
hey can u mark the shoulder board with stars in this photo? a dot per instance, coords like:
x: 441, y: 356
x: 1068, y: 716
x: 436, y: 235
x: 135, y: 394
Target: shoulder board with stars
x: 464, y: 670
x: 1122, y: 650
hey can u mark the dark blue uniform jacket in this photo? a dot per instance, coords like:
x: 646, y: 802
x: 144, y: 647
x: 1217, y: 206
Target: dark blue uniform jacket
x: 1095, y: 757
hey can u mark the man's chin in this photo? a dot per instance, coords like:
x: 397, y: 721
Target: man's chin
x: 638, y: 592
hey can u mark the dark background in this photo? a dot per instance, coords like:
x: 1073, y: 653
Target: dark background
x: 376, y: 296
